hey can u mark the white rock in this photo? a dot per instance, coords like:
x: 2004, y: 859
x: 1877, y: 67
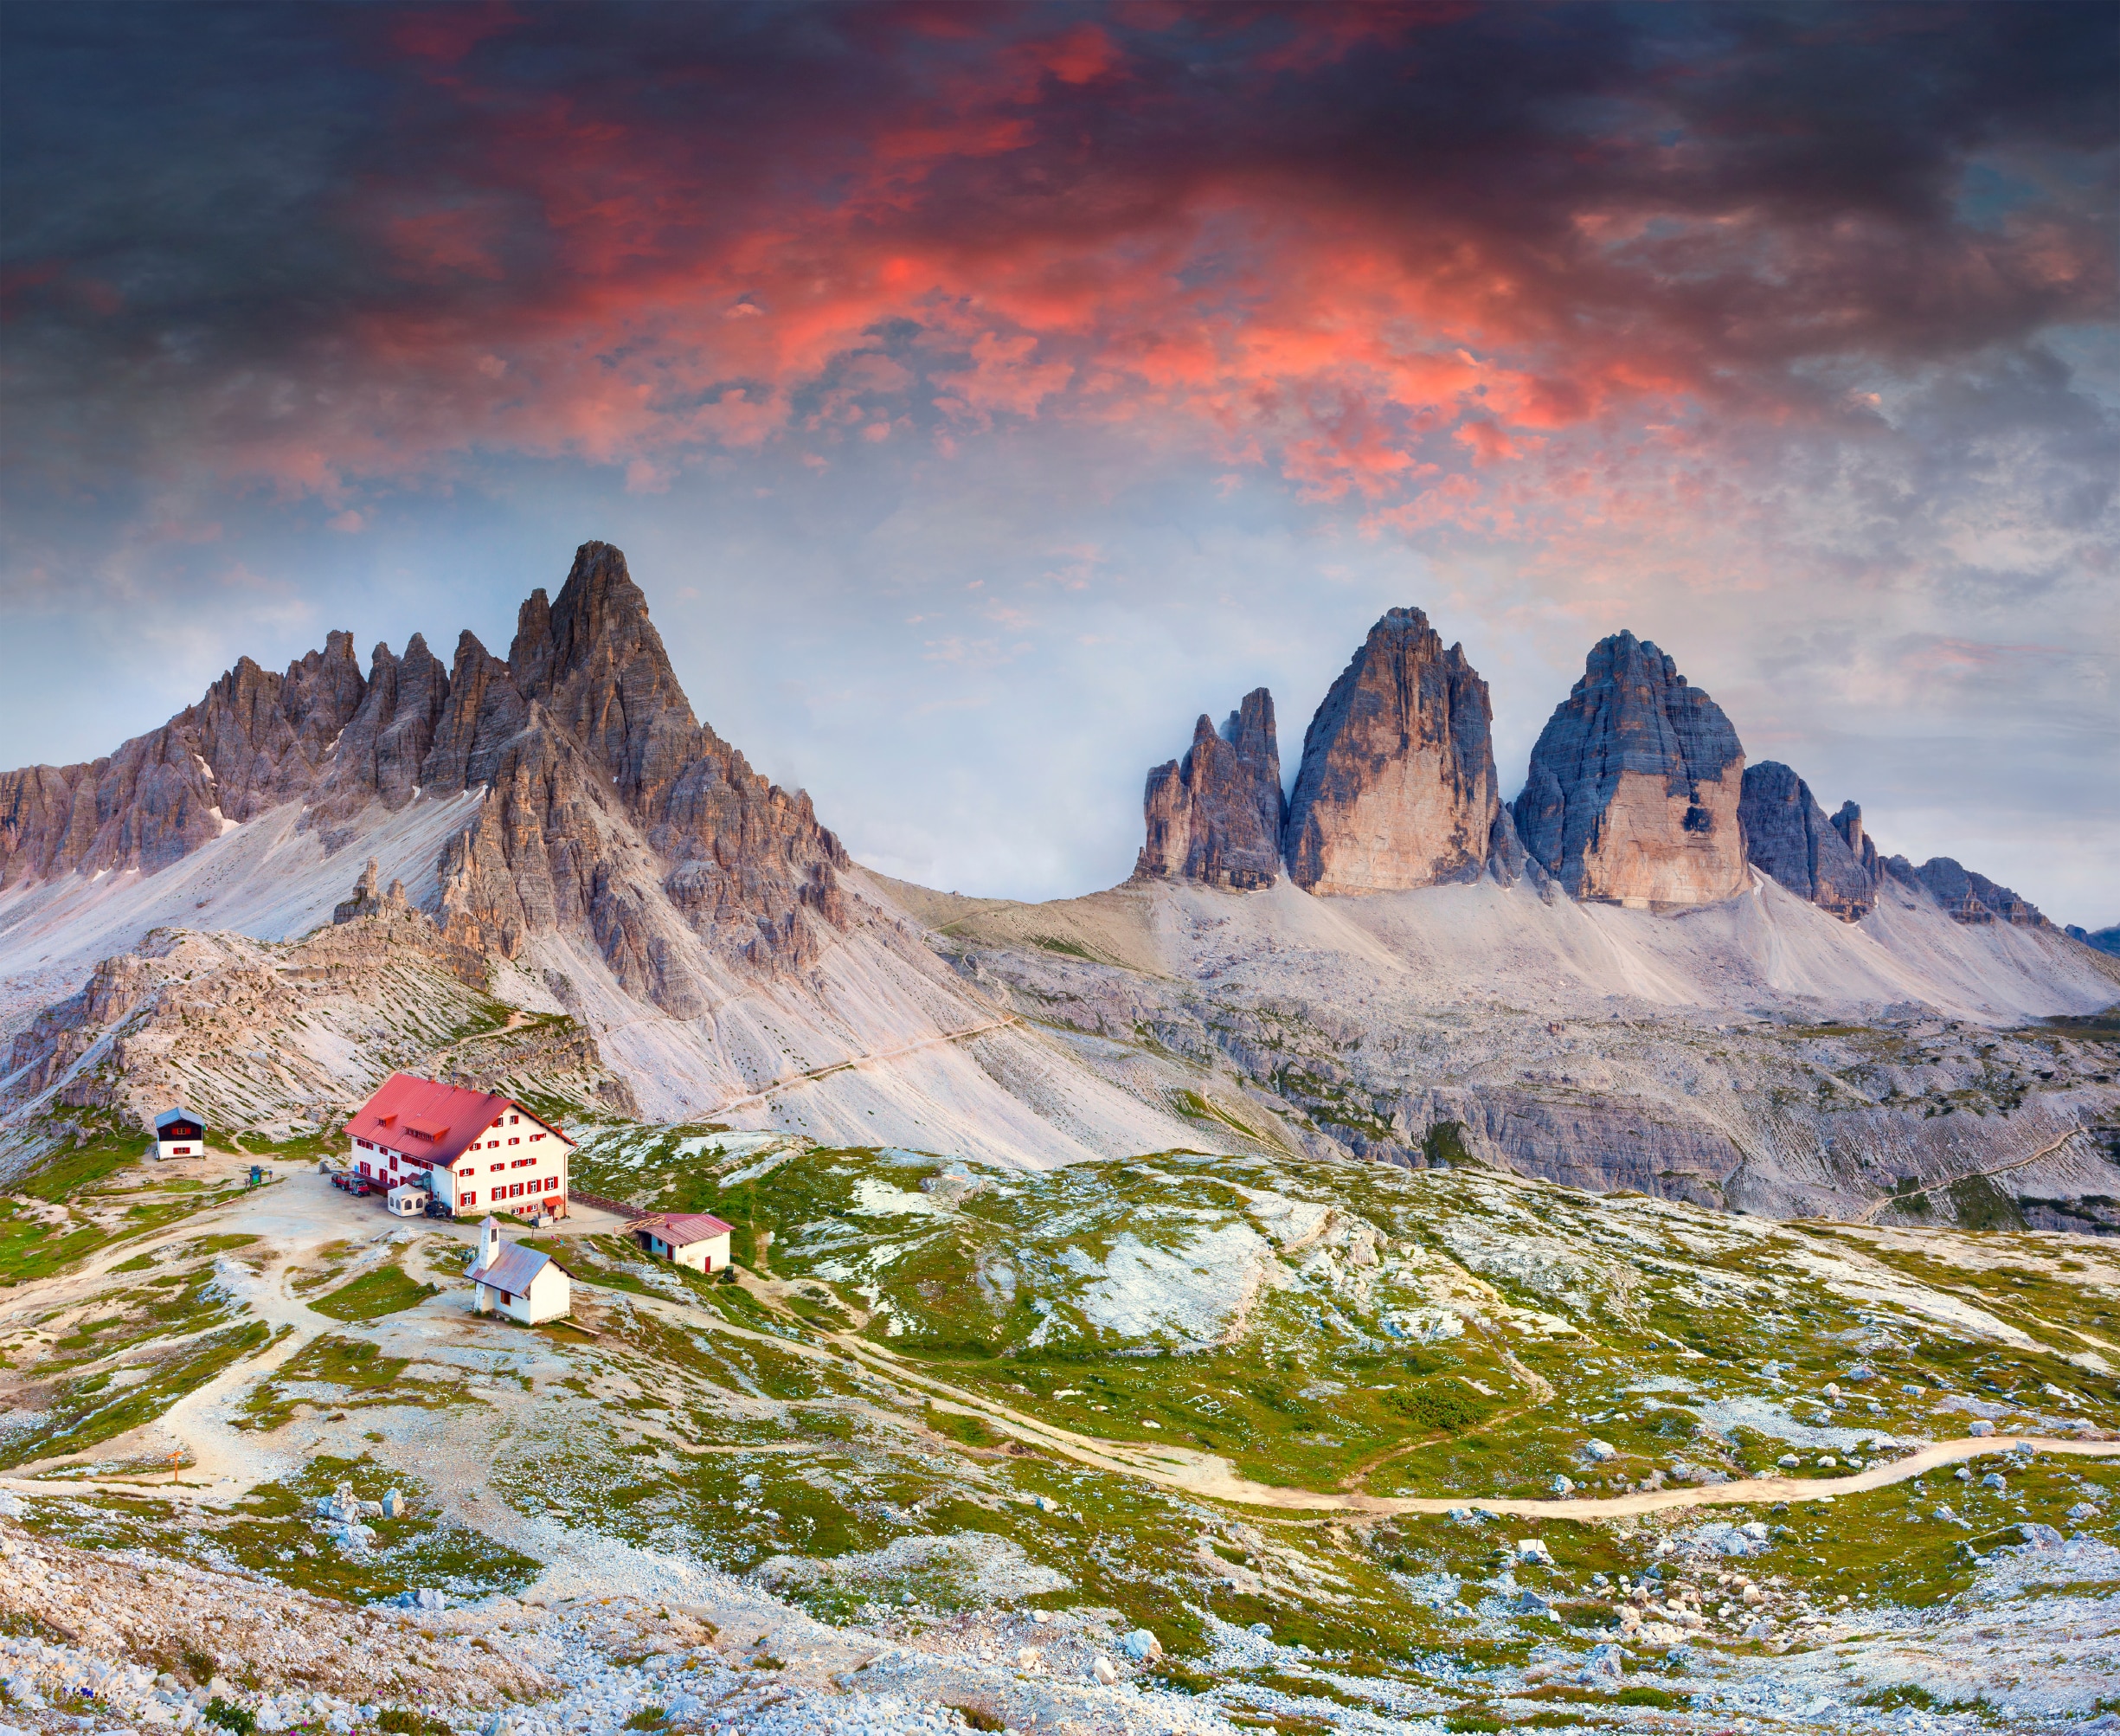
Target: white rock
x: 1598, y: 1451
x: 1142, y: 1646
x: 1979, y: 1425
x: 1104, y: 1671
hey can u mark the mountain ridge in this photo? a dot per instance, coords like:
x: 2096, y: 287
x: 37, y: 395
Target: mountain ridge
x: 575, y: 845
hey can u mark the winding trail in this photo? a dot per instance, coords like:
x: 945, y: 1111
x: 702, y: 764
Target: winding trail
x: 223, y: 1460
x: 1870, y: 1211
x: 789, y: 1081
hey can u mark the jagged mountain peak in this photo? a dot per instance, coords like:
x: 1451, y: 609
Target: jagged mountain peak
x: 614, y: 813
x: 595, y: 661
x: 1635, y: 785
x: 1397, y: 789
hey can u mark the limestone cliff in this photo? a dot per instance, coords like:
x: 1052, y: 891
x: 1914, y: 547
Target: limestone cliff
x: 1215, y: 816
x: 1788, y: 835
x: 1634, y: 785
x: 1397, y: 789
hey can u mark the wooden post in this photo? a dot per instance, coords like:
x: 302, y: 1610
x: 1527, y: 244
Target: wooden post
x: 174, y: 1458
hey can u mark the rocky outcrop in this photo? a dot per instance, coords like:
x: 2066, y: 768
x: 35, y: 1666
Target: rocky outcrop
x: 1215, y: 816
x: 1397, y: 789
x: 368, y: 901
x: 1635, y: 784
x: 1861, y: 846
x: 1788, y: 835
x: 2098, y: 939
x: 254, y: 1032
x: 1967, y: 896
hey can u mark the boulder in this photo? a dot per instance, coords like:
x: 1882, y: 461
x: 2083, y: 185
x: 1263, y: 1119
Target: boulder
x: 1397, y: 789
x: 1215, y: 816
x: 1142, y: 1646
x: 1788, y: 836
x: 1634, y: 785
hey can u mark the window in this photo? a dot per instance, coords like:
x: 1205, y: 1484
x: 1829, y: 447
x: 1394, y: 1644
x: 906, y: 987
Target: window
x: 471, y: 1198
x: 496, y: 1165
x: 512, y: 1120
x: 536, y: 1135
x: 515, y: 1142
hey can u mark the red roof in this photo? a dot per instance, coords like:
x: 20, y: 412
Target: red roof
x: 428, y: 1120
x: 681, y: 1229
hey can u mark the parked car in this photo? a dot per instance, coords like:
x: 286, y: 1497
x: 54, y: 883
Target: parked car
x: 438, y: 1208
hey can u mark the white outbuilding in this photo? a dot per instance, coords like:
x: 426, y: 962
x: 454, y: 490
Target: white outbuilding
x: 698, y: 1239
x: 179, y: 1133
x: 524, y: 1283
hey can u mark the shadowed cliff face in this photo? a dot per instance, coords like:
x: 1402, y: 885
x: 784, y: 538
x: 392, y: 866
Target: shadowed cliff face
x: 1215, y: 816
x: 1635, y: 785
x: 610, y: 811
x: 1398, y: 788
x: 1788, y: 835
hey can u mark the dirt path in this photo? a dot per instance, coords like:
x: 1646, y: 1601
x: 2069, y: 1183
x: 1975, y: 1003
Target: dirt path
x: 1869, y: 1215
x: 225, y: 1463
x: 1187, y: 1471
x: 793, y: 1081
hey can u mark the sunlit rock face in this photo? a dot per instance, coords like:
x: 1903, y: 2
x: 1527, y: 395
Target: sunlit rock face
x: 1397, y: 786
x: 1636, y: 785
x: 1788, y: 835
x: 1215, y: 815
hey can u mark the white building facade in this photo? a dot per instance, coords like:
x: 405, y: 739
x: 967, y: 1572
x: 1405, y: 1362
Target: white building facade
x: 474, y: 1151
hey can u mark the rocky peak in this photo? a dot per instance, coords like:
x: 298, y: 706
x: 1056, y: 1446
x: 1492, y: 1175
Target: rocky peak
x: 1215, y: 815
x: 1397, y: 787
x: 595, y: 661
x: 1967, y: 896
x: 1848, y: 823
x: 1788, y: 836
x: 1635, y: 785
x: 483, y: 709
x: 383, y: 751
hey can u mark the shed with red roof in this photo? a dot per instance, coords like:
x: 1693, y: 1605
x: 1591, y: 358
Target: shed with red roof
x: 475, y: 1151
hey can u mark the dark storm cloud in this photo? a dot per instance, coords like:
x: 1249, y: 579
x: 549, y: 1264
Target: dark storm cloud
x: 311, y: 243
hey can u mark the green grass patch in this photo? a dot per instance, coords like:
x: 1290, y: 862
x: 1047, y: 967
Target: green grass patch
x: 88, y: 1411
x: 373, y: 1295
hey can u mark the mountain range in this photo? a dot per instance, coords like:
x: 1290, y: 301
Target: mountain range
x: 1659, y: 967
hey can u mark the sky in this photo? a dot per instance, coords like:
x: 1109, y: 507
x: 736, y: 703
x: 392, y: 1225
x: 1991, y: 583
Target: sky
x: 982, y: 392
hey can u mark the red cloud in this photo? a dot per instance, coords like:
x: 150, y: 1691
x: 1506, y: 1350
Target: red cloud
x: 1343, y: 241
